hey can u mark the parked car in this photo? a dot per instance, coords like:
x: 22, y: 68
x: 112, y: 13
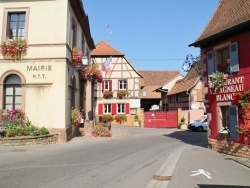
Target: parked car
x: 199, y: 124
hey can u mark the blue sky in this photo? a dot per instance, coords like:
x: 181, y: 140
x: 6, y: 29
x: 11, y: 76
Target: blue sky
x: 153, y: 35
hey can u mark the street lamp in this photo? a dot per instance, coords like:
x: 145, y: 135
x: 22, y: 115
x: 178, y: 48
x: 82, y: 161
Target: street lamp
x: 190, y: 60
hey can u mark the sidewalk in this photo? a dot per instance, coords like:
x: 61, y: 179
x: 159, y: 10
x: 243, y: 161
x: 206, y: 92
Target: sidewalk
x: 118, y: 132
x: 200, y: 167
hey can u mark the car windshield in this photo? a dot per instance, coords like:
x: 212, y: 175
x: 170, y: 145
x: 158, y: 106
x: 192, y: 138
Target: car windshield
x: 200, y: 119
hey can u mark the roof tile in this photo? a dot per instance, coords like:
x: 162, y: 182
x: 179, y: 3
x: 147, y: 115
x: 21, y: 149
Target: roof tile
x: 187, y: 82
x: 228, y: 14
x: 152, y: 80
x: 104, y: 49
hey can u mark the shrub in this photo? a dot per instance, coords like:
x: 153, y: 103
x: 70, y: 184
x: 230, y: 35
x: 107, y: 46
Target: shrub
x: 101, y: 130
x: 107, y: 118
x: 44, y: 131
x: 15, y: 123
x: 121, y: 118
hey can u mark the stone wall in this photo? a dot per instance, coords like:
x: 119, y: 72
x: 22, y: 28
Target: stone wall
x: 228, y: 146
x: 29, y: 140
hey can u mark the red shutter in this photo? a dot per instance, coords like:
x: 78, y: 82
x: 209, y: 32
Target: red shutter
x: 110, y: 85
x: 127, y: 108
x: 100, y: 108
x: 113, y: 108
x: 102, y: 85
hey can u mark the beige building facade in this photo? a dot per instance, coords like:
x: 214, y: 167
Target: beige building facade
x: 44, y: 84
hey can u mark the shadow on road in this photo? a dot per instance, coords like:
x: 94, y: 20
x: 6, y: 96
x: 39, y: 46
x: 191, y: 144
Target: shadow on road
x: 221, y: 186
x: 193, y: 138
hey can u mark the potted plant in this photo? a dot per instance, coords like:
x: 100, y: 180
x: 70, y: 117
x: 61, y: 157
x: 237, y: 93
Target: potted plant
x: 121, y: 118
x: 14, y: 49
x: 217, y: 80
x: 122, y: 93
x: 76, y: 57
x: 76, y: 116
x: 137, y: 122
x: 107, y: 94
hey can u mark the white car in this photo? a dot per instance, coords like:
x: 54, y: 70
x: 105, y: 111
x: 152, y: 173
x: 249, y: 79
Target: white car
x: 199, y: 124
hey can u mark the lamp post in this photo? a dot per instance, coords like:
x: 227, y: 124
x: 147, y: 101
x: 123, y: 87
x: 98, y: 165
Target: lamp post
x: 190, y: 59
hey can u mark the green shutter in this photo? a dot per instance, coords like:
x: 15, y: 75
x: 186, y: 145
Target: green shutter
x: 234, y: 60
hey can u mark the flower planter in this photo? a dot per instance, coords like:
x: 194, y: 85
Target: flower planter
x: 14, y: 49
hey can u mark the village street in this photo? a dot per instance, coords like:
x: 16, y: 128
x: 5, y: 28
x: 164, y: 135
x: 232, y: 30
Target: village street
x: 129, y: 161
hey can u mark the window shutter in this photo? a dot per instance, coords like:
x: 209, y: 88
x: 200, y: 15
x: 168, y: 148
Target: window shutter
x: 210, y: 63
x: 103, y: 85
x: 8, y: 32
x: 127, y: 108
x: 100, y: 108
x: 234, y: 61
x: 110, y: 85
x: 233, y: 122
x: 113, y: 108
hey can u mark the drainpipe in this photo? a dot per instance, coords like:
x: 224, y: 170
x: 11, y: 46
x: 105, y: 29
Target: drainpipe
x: 189, y: 102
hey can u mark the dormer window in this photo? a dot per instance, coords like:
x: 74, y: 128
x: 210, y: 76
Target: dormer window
x: 224, y: 58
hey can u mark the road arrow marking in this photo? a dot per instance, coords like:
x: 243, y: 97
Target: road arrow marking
x: 201, y: 171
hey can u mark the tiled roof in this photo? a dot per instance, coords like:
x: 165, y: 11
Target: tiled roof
x: 104, y: 49
x: 228, y: 14
x: 158, y: 78
x: 153, y: 80
x: 187, y: 82
x: 150, y: 92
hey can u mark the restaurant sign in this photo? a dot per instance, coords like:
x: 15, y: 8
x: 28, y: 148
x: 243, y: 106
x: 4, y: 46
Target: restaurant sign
x: 226, y: 92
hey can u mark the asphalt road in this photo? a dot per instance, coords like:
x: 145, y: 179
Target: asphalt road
x: 118, y: 163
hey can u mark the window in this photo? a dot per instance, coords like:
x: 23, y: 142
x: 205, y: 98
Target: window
x: 106, y: 85
x: 72, y: 91
x: 74, y: 33
x: 16, y: 25
x: 120, y: 108
x: 223, y: 58
x: 107, y: 108
x: 122, y: 84
x: 12, y: 92
x: 83, y: 45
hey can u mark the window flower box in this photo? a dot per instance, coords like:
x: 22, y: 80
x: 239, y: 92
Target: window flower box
x: 123, y: 93
x: 14, y: 49
x: 107, y: 94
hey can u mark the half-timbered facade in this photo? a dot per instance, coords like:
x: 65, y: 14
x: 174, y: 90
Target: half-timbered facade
x: 120, y: 91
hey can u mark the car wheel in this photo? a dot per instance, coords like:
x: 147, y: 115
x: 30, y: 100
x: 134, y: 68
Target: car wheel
x: 200, y: 128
